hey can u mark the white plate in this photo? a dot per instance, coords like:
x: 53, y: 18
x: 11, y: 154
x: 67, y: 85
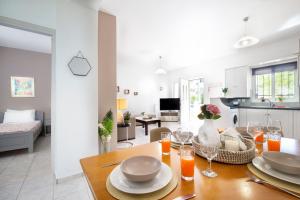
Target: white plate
x: 261, y: 165
x: 175, y: 141
x: 119, y: 181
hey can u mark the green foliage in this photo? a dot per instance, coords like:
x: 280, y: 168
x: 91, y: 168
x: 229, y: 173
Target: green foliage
x: 105, y: 128
x: 225, y: 90
x: 127, y: 116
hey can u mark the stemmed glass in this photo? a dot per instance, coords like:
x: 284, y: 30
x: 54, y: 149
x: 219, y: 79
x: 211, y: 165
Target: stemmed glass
x: 210, y: 151
x: 182, y: 136
x: 255, y: 130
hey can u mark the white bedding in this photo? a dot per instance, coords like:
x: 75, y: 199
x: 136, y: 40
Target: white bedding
x: 8, y: 128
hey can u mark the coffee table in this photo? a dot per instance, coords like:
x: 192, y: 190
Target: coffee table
x: 146, y: 122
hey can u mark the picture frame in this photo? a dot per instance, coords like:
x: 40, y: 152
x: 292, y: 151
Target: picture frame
x: 22, y: 86
x: 126, y: 91
x: 135, y: 93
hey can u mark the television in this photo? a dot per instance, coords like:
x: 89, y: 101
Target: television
x: 170, y: 104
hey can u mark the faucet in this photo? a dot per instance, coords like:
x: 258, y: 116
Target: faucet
x: 263, y: 99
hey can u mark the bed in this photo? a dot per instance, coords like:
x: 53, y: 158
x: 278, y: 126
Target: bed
x: 20, y: 135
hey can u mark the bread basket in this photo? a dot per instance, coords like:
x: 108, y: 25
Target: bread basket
x: 230, y: 157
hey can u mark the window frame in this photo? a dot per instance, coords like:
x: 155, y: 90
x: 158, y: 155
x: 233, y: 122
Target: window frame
x: 273, y: 99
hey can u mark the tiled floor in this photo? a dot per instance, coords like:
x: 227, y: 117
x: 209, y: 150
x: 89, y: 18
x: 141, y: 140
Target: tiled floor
x: 28, y: 176
x: 25, y: 176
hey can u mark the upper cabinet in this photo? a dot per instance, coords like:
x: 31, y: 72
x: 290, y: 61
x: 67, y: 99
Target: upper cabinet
x: 238, y: 81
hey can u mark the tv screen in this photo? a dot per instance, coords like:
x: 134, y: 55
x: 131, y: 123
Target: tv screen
x: 170, y: 104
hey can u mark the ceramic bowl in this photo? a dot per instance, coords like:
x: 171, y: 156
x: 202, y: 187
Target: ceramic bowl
x: 140, y: 168
x: 283, y: 162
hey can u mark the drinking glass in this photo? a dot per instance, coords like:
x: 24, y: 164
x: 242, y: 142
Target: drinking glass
x: 275, y: 126
x: 274, y: 140
x: 187, y: 161
x: 166, y: 143
x: 210, y: 151
x: 255, y: 129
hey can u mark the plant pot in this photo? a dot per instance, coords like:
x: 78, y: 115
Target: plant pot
x: 208, y: 134
x: 105, y: 144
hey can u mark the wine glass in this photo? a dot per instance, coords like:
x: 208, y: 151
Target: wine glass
x: 210, y: 151
x: 255, y: 129
x: 182, y: 136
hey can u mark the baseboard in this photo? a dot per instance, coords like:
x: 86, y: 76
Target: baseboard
x: 61, y: 180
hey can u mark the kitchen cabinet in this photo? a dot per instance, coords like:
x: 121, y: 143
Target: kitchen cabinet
x: 242, y: 117
x: 286, y: 119
x: 238, y: 81
x: 296, y: 124
x: 290, y: 119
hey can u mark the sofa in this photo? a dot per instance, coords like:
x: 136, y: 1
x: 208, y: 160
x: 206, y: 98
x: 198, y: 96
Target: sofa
x: 131, y: 131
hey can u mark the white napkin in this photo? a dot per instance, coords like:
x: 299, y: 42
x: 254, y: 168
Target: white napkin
x: 209, y: 136
x: 233, y: 134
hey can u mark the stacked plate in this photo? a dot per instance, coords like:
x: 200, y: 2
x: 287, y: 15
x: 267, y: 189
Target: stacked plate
x: 141, y: 175
x: 280, y: 165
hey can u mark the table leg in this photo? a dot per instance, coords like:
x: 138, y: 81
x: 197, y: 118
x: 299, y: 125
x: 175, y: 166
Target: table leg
x: 159, y: 124
x: 146, y: 128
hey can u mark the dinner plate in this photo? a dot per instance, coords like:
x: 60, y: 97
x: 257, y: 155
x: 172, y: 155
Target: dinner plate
x: 120, y: 182
x: 262, y: 165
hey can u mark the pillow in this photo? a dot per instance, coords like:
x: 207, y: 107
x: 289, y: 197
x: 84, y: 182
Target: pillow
x: 19, y: 116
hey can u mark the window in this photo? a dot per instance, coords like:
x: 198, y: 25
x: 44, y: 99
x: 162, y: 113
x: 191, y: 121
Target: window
x: 276, y: 82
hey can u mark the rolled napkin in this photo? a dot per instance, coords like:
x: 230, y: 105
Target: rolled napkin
x: 234, y: 137
x: 232, y: 145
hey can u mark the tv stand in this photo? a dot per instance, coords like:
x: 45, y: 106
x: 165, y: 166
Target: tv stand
x: 169, y: 116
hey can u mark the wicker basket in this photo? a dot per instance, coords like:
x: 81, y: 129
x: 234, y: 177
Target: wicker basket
x: 230, y: 157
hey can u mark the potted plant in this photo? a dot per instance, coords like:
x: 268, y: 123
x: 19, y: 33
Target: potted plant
x: 207, y: 132
x: 127, y: 116
x: 105, y: 129
x: 280, y: 99
x: 225, y: 90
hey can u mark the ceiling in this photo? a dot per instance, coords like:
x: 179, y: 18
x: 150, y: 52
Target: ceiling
x: 20, y: 39
x: 189, y: 32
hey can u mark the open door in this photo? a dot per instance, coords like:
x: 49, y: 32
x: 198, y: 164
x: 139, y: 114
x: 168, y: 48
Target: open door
x: 184, y: 100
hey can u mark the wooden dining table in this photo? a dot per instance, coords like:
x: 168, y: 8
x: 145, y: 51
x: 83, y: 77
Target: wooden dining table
x: 231, y: 182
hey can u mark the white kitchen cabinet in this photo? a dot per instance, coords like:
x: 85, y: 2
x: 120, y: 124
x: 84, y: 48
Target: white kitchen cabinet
x: 296, y: 124
x: 242, y: 117
x: 257, y: 115
x: 238, y: 81
x: 286, y: 119
x: 289, y: 119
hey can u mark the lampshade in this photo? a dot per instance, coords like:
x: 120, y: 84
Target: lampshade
x: 122, y: 104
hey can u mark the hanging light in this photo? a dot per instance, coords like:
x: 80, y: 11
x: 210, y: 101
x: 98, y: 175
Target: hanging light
x: 160, y: 69
x: 246, y: 40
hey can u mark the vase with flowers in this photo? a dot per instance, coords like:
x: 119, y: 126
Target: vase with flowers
x: 208, y: 134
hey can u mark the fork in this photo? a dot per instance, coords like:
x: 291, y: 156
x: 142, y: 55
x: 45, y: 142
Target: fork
x: 255, y: 179
x: 111, y: 164
x: 185, y: 197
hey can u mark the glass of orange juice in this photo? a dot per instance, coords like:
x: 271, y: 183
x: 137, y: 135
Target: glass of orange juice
x: 274, y: 140
x: 187, y: 161
x: 166, y: 143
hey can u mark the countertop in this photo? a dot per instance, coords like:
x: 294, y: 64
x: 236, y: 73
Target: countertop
x: 266, y: 107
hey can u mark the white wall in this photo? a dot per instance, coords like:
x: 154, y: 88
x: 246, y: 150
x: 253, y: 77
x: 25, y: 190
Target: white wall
x: 74, y: 99
x: 38, y: 12
x: 213, y: 72
x: 144, y: 81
